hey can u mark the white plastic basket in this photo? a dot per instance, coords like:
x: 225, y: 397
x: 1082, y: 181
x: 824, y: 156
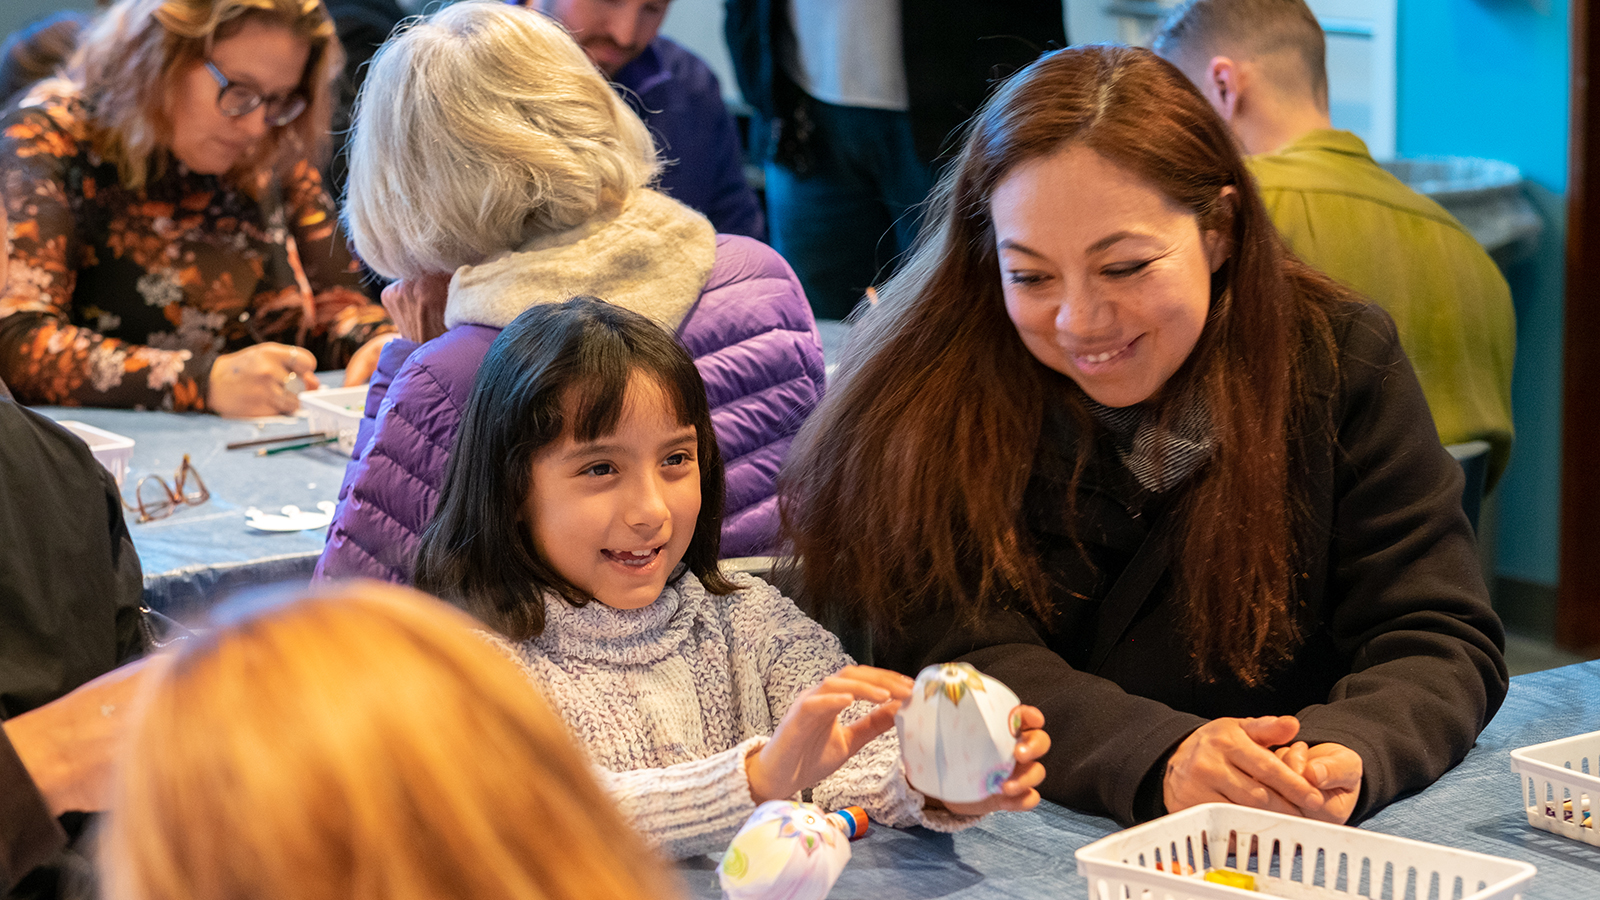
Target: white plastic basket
x: 336, y: 411
x: 1288, y: 857
x: 113, y: 451
x: 1560, y: 782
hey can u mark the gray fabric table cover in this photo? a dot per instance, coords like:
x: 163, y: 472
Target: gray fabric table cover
x: 200, y: 553
x: 1029, y: 856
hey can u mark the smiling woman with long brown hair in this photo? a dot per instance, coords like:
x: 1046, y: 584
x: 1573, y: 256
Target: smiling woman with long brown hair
x: 1107, y: 440
x: 173, y: 246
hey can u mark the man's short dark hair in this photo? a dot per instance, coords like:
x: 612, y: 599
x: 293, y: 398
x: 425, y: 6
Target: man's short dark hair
x: 1249, y: 29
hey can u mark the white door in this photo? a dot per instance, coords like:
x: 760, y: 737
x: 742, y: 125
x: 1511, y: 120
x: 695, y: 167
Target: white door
x: 1361, y: 68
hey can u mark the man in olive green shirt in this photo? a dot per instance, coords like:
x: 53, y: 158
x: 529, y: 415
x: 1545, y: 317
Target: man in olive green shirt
x: 1261, y: 65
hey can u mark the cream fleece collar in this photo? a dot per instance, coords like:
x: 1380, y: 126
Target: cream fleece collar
x: 652, y: 256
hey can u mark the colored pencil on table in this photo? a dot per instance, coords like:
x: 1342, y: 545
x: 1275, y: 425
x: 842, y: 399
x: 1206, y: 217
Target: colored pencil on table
x: 268, y: 451
x: 235, y: 445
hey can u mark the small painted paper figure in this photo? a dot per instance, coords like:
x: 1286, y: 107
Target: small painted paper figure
x: 958, y: 733
x: 788, y: 851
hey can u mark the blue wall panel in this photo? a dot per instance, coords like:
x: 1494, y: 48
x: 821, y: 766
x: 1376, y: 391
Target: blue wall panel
x: 1489, y: 78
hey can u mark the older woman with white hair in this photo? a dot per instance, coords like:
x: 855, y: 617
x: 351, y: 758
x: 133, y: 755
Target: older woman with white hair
x: 492, y: 164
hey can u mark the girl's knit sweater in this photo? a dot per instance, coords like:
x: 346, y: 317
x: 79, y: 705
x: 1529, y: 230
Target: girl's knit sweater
x: 671, y: 698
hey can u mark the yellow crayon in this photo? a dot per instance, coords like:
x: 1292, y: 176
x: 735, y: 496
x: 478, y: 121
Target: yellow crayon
x: 1244, y: 881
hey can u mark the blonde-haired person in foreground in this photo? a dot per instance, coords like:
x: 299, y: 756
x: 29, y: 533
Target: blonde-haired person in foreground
x: 173, y: 246
x: 493, y: 169
x: 357, y: 742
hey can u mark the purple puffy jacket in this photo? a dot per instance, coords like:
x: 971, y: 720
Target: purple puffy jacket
x: 752, y: 336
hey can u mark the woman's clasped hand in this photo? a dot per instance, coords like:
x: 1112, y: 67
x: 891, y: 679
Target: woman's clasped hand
x: 1256, y: 762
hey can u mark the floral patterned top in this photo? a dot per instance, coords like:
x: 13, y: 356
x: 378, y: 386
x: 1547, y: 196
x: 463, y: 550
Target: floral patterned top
x: 124, y: 298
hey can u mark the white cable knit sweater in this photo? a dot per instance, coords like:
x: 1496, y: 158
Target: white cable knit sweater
x: 670, y: 698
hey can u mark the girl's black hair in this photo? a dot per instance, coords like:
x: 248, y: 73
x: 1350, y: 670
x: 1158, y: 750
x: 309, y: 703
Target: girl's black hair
x: 557, y: 369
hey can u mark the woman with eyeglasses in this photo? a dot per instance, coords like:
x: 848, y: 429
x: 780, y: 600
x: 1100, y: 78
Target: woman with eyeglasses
x: 173, y: 246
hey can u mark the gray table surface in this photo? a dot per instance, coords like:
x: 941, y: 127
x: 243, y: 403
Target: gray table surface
x: 200, y: 553
x: 1029, y: 856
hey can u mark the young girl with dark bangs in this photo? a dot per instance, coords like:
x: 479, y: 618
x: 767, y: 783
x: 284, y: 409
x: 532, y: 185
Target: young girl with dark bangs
x: 580, y: 519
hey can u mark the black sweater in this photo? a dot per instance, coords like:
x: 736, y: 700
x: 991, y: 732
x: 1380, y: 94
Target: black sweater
x: 70, y: 588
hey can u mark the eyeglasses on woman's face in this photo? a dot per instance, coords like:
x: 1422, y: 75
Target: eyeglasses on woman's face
x: 235, y: 100
x: 155, y: 499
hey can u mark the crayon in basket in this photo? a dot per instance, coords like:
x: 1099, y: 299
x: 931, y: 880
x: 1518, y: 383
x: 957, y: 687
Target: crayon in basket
x: 1584, y: 815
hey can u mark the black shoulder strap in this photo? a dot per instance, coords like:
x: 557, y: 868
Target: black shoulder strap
x: 1131, y: 590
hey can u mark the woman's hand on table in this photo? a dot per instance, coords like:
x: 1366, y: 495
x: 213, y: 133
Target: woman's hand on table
x: 810, y: 743
x: 1229, y: 760
x: 258, y: 381
x: 364, y: 361
x: 416, y: 306
x: 1333, y: 769
x: 1019, y: 792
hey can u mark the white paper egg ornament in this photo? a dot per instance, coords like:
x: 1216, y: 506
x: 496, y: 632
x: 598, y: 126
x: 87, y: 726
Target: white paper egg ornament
x: 788, y: 851
x: 958, y: 737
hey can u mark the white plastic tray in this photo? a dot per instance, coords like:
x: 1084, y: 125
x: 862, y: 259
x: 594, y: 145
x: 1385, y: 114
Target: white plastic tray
x: 114, y: 451
x: 1289, y: 857
x: 336, y: 411
x: 1558, y: 777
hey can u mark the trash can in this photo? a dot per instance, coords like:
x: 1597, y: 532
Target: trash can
x: 1485, y: 194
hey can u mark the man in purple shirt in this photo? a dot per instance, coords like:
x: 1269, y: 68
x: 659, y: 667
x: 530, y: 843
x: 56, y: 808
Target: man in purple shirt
x: 679, y: 99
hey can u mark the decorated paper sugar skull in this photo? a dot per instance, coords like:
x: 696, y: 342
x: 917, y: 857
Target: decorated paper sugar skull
x: 958, y: 734
x: 785, y: 851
